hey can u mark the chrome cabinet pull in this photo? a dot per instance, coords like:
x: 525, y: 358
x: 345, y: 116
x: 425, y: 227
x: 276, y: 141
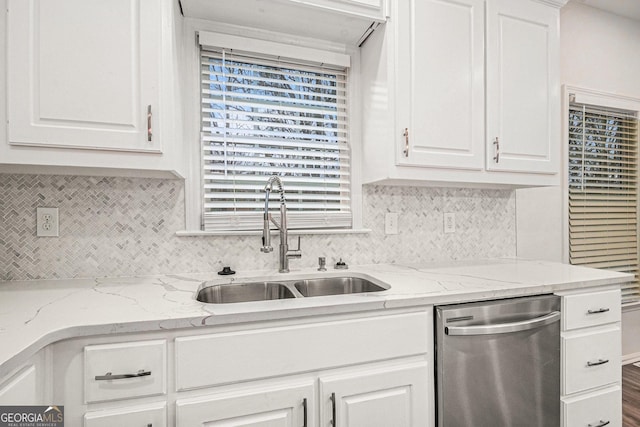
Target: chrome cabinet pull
x: 497, y: 144
x: 602, y: 423
x: 334, y: 421
x: 598, y: 362
x: 406, y: 142
x: 504, y: 328
x: 600, y: 310
x: 304, y: 412
x: 149, y: 131
x: 110, y: 376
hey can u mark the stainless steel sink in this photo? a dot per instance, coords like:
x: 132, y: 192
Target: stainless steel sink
x: 244, y: 292
x: 336, y: 286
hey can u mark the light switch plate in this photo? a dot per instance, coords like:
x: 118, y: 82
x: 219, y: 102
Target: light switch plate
x: 47, y: 222
x: 391, y: 223
x: 449, y: 222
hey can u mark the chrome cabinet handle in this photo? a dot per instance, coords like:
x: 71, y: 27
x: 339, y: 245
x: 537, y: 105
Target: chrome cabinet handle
x: 334, y: 421
x: 602, y: 423
x: 110, y: 376
x: 504, y: 328
x: 304, y: 412
x: 600, y: 310
x: 497, y: 144
x: 598, y: 362
x: 149, y: 131
x: 406, y: 142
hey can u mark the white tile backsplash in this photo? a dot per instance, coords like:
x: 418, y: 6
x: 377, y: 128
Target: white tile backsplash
x: 126, y: 226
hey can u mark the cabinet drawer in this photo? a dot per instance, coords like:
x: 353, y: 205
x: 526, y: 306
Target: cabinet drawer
x: 592, y: 309
x: 137, y: 369
x: 593, y: 409
x: 270, y: 352
x: 154, y: 415
x: 591, y: 359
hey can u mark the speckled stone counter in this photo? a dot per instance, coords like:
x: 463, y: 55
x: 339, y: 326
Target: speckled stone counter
x: 34, y: 314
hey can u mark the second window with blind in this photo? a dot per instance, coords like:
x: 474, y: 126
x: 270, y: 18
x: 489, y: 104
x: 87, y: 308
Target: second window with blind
x: 271, y: 110
x: 603, y: 187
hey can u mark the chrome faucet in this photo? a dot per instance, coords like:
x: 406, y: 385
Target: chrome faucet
x: 285, y: 253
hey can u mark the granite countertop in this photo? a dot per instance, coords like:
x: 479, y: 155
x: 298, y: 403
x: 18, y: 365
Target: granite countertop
x: 34, y: 314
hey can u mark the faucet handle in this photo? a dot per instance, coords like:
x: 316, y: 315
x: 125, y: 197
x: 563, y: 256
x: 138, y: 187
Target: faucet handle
x: 298, y: 248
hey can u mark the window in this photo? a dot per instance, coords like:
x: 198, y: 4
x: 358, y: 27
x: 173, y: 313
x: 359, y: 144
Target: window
x: 603, y: 189
x: 263, y: 114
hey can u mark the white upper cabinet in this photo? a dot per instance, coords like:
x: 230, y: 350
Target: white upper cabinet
x: 523, y: 96
x: 90, y: 84
x: 444, y: 79
x: 84, y: 73
x: 441, y: 58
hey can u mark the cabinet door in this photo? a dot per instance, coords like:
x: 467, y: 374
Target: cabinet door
x: 440, y: 83
x: 28, y: 385
x: 154, y: 415
x: 280, y: 406
x: 523, y: 92
x: 391, y: 397
x: 22, y: 389
x: 84, y: 73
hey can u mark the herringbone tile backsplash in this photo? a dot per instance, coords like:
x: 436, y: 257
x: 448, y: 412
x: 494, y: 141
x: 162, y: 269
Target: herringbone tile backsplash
x: 126, y: 226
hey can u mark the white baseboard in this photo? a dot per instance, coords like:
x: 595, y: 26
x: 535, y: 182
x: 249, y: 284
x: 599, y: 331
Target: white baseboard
x: 630, y: 358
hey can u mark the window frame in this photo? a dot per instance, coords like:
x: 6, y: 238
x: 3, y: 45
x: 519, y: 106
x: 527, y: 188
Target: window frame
x: 603, y: 99
x: 189, y: 61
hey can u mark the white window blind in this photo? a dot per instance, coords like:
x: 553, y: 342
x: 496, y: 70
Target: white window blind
x: 264, y: 116
x: 603, y: 188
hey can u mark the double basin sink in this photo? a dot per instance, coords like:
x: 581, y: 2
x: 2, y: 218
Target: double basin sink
x: 284, y: 289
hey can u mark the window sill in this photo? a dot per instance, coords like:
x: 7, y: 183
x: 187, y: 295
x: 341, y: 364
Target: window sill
x: 199, y: 233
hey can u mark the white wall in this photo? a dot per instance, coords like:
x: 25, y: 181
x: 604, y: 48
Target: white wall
x: 599, y: 51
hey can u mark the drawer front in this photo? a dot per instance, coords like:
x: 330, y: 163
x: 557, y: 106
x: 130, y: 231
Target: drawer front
x: 270, y: 352
x: 591, y: 359
x: 154, y: 415
x: 594, y: 409
x: 592, y: 309
x: 124, y: 370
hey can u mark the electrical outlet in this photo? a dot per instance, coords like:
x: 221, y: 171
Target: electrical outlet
x: 47, y: 222
x: 449, y: 222
x: 391, y: 223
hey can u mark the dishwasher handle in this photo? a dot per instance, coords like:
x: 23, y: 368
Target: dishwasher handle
x: 504, y: 328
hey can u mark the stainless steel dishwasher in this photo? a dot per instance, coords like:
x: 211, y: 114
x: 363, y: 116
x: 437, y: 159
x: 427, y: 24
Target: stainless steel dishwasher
x: 498, y: 363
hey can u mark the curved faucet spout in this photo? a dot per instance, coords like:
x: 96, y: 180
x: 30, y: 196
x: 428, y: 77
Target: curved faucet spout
x: 285, y: 253
x: 269, y: 186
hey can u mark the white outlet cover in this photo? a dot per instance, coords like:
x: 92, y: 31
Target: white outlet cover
x: 391, y: 223
x: 47, y: 222
x: 449, y: 222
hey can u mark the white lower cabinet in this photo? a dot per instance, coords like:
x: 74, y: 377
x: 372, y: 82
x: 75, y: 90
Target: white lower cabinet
x: 596, y: 409
x: 591, y: 354
x: 28, y: 384
x: 280, y: 406
x: 154, y: 415
x: 394, y: 396
x: 592, y: 358
x: 371, y: 369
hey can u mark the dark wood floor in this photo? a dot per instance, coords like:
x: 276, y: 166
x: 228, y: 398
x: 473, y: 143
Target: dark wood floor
x: 630, y: 396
